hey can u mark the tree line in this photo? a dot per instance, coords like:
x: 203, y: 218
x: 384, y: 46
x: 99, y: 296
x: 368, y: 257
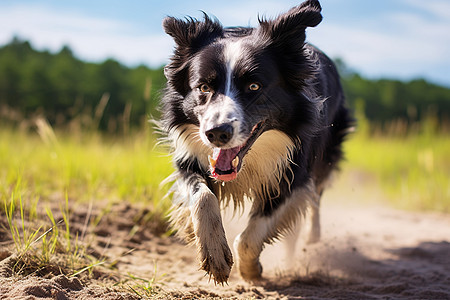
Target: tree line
x: 63, y: 88
x: 109, y: 95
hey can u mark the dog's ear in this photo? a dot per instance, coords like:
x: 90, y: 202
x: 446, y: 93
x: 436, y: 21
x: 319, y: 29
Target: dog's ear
x: 285, y: 36
x: 191, y: 34
x: 290, y: 26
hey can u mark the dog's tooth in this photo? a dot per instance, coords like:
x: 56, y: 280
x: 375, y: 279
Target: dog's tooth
x: 235, y: 162
x: 212, y: 162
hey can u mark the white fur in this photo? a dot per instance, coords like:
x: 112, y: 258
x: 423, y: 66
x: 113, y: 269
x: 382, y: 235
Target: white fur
x: 232, y: 53
x: 197, y: 216
x: 214, y: 253
x: 262, y: 167
x: 225, y: 110
x: 186, y: 143
x: 230, y: 107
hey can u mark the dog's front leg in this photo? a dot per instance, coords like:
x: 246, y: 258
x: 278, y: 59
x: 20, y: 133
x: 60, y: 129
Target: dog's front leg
x: 266, y: 226
x: 214, y: 254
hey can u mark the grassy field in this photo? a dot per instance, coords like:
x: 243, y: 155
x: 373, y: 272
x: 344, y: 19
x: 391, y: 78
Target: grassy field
x: 42, y: 166
x: 413, y: 170
x: 84, y: 166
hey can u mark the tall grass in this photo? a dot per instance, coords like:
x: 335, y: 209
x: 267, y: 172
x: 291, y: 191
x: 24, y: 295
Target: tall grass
x: 85, y: 166
x: 413, y: 170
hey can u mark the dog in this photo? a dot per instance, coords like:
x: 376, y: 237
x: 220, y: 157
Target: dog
x: 251, y: 114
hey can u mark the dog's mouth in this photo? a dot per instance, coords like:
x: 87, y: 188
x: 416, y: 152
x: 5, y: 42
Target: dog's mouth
x: 225, y: 164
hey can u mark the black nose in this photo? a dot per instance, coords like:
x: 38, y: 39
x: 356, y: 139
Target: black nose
x: 220, y: 135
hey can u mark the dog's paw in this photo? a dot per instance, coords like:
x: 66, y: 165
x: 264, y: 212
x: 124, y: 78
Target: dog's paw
x: 251, y: 270
x: 217, y: 260
x: 248, y: 263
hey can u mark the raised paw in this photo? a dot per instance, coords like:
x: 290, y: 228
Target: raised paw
x: 217, y: 260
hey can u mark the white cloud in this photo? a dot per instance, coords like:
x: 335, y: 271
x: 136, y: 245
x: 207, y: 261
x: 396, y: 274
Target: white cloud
x: 248, y: 12
x: 235, y: 13
x: 438, y: 8
x: 93, y: 39
x: 406, y: 44
x: 361, y: 47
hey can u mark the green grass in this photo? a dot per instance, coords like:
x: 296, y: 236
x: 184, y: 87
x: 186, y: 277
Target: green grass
x: 413, y: 170
x: 21, y: 234
x: 86, y: 167
x: 39, y: 168
x: 142, y: 287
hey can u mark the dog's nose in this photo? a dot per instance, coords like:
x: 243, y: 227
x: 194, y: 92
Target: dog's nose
x: 220, y: 135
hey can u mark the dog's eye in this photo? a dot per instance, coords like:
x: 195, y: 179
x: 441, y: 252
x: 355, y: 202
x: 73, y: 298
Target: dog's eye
x: 204, y: 88
x: 254, y: 86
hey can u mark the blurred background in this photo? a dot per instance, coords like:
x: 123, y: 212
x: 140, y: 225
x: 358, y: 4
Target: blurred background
x: 80, y: 79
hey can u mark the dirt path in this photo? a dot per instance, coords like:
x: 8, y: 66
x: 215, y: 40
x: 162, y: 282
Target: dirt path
x: 366, y: 252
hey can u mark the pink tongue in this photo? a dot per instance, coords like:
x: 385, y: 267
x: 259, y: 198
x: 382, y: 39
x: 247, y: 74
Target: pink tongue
x: 223, y: 157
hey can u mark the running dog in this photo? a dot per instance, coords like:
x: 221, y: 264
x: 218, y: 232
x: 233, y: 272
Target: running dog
x: 251, y: 114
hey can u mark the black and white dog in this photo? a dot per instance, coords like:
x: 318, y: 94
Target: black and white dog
x: 250, y: 113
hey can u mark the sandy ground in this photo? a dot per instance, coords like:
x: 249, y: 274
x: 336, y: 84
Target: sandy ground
x: 367, y: 251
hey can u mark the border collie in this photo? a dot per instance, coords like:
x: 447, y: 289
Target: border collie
x: 251, y: 114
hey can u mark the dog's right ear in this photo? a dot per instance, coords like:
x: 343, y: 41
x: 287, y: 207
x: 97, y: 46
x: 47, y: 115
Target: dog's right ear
x: 289, y: 28
x: 285, y: 35
x: 191, y: 34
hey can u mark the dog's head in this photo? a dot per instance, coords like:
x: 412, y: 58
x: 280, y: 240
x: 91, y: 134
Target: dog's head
x: 236, y: 83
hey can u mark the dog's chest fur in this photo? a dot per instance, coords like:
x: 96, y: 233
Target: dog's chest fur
x: 264, y: 166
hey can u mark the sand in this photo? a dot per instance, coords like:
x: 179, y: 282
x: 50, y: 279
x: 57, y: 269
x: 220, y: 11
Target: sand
x: 367, y: 251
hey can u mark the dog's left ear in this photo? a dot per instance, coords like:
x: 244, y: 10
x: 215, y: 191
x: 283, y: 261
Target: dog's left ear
x: 289, y: 28
x: 285, y: 36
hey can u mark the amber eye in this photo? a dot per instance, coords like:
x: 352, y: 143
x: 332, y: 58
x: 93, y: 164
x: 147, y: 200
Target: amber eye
x: 254, y: 86
x: 204, y: 88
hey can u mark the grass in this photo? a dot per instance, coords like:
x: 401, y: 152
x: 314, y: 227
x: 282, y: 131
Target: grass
x: 413, y: 170
x: 142, y: 287
x: 22, y: 236
x: 86, y: 167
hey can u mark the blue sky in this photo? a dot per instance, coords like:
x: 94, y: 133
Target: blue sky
x: 402, y: 39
